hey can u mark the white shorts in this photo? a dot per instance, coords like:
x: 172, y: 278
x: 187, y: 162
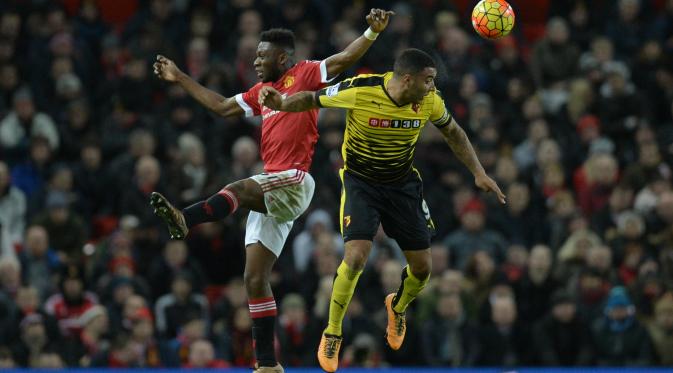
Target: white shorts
x: 287, y: 195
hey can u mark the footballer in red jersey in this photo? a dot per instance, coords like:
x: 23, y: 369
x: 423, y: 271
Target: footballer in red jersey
x: 278, y: 196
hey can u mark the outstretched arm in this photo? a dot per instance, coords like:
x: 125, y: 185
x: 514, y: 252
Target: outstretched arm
x: 462, y: 148
x: 166, y: 70
x: 300, y: 101
x: 377, y: 20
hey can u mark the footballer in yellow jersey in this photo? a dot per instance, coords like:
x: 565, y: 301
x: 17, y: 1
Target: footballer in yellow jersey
x: 385, y: 115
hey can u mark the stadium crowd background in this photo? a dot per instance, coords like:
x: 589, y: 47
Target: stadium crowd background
x: 573, y: 115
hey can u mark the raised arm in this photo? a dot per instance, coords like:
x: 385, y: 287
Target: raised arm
x: 462, y: 148
x: 377, y: 20
x: 166, y: 70
x: 300, y: 101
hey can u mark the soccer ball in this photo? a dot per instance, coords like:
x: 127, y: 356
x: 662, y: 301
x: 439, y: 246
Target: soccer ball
x: 492, y: 19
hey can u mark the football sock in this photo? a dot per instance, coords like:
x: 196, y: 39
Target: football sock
x: 342, y: 291
x: 263, y: 313
x: 409, y: 289
x: 215, y: 208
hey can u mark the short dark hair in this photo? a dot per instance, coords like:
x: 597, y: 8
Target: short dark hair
x: 412, y: 61
x: 279, y: 37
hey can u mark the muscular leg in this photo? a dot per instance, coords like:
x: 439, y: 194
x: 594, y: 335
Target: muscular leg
x: 414, y: 278
x: 356, y: 253
x: 244, y: 193
x: 258, y: 264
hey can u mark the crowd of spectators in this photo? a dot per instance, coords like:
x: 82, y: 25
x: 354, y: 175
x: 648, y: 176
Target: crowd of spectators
x: 572, y: 114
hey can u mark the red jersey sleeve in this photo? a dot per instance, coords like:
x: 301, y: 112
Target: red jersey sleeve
x: 314, y: 74
x: 248, y: 101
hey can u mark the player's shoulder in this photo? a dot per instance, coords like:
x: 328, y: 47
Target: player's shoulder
x: 306, y: 64
x: 365, y: 80
x: 434, y: 97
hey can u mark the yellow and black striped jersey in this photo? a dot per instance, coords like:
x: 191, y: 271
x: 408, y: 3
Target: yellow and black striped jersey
x: 381, y: 136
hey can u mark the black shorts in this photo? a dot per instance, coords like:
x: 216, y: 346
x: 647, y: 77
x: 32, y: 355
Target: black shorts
x: 399, y: 207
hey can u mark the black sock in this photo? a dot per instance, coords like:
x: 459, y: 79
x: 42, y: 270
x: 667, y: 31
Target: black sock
x: 215, y: 208
x: 263, y: 335
x: 263, y: 313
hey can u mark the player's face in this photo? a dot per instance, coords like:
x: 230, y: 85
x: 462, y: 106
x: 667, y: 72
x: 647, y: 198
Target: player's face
x: 421, y: 84
x: 269, y: 62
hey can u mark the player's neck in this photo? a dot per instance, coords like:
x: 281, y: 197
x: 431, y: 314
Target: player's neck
x: 396, y: 92
x: 290, y: 64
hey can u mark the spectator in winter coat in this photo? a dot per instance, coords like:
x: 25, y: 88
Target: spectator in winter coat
x: 618, y: 337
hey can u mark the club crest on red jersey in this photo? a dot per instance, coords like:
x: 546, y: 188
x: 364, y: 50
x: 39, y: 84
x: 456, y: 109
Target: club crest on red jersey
x: 288, y: 82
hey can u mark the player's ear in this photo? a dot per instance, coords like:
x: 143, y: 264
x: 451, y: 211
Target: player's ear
x: 282, y: 57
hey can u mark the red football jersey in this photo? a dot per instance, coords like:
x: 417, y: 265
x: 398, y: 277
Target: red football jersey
x: 288, y: 139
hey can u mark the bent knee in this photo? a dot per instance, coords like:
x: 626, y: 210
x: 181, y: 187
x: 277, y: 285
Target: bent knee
x: 254, y: 280
x: 356, y: 254
x: 421, y: 269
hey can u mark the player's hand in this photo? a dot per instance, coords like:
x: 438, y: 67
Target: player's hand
x: 270, y: 97
x: 166, y: 69
x: 378, y: 19
x: 485, y: 183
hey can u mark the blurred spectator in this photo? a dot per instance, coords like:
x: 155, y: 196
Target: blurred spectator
x: 537, y: 285
x: 92, y: 181
x: 520, y: 218
x: 619, y: 338
x: 481, y: 277
x: 121, y: 289
x: 555, y: 57
x: 192, y: 329
x: 514, y: 266
x: 48, y: 359
x: 449, y: 338
x: 620, y: 107
x: 39, y: 262
x: 71, y: 301
x: 33, y: 341
x: 628, y: 31
x: 604, y: 221
x: 318, y: 222
x: 525, y: 152
x: 91, y: 341
x: 24, y: 122
x: 146, y: 180
x: 6, y: 359
x: 76, y: 126
x: 562, y: 212
x: 363, y: 352
x: 149, y: 352
x: 241, y: 339
x: 504, y: 343
x: 661, y: 329
x: 648, y: 167
x: 474, y: 235
x: 599, y: 260
x: 66, y: 229
x: 202, y: 355
x: 296, y: 332
x: 30, y: 174
x: 591, y: 290
x: 173, y: 308
x: 28, y: 302
x: 13, y: 216
x: 10, y: 275
x: 9, y: 316
x: 174, y: 260
x: 561, y: 337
